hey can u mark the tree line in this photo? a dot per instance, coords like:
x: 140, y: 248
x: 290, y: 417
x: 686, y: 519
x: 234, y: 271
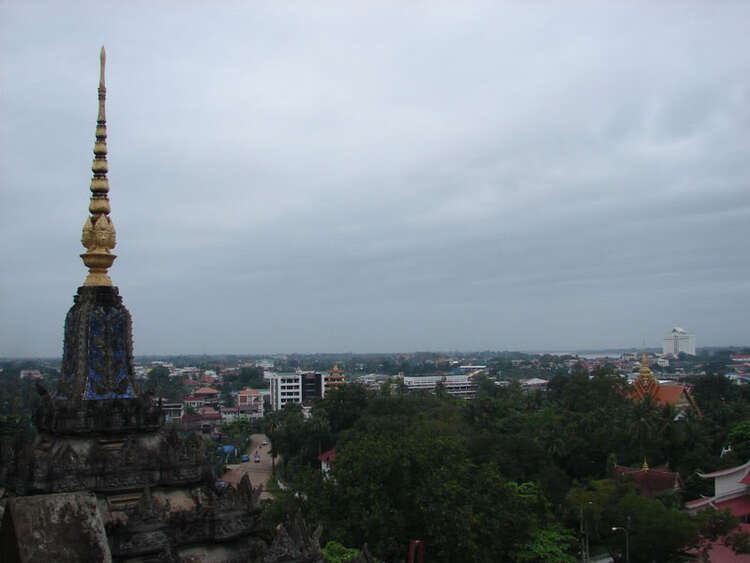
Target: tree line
x: 509, y: 475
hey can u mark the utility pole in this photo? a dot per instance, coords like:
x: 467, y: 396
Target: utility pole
x: 584, y: 539
x: 627, y: 540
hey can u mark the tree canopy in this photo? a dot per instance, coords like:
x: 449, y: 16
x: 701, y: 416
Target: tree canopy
x: 508, y: 476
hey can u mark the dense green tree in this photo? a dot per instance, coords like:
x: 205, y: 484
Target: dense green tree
x: 158, y: 381
x: 343, y: 406
x: 739, y: 440
x: 457, y: 474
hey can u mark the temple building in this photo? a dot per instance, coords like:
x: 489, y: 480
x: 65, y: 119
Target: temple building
x: 731, y: 491
x: 334, y: 378
x: 651, y: 482
x: 662, y: 394
x: 104, y: 479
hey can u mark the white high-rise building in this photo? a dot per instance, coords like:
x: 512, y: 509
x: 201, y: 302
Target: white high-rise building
x: 679, y: 341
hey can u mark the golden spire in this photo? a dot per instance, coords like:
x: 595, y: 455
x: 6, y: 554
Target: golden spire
x: 645, y: 370
x: 645, y: 384
x: 98, y: 231
x: 644, y: 467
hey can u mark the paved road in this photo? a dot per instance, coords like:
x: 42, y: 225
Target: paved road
x: 259, y: 473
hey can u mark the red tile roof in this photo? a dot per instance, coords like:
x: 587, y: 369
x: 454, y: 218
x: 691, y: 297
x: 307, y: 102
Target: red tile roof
x: 720, y: 553
x: 206, y: 391
x: 650, y: 482
x: 187, y: 418
x: 739, y: 506
x: 328, y: 456
x: 669, y: 394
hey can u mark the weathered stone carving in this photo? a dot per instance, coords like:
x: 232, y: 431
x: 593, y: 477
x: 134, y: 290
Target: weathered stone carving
x: 295, y: 541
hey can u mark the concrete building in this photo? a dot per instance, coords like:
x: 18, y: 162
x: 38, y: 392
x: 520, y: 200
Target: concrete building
x: 301, y: 386
x: 250, y: 403
x: 534, y: 384
x: 679, y: 341
x: 285, y: 388
x: 209, y: 395
x: 173, y: 411
x: 456, y: 385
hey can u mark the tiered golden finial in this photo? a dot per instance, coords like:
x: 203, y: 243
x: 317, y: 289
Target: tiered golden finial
x: 98, y: 231
x: 645, y: 371
x: 645, y: 384
x: 645, y: 466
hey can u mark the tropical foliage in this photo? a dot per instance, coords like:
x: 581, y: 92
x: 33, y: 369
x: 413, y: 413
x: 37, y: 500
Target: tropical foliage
x: 508, y: 476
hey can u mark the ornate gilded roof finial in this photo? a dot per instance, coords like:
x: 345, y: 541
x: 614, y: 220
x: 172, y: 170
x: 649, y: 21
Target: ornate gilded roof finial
x: 645, y: 370
x: 645, y: 466
x: 645, y: 384
x: 98, y: 231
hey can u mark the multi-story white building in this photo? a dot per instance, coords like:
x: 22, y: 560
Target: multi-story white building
x: 679, y: 341
x: 285, y: 388
x: 301, y: 386
x: 456, y: 385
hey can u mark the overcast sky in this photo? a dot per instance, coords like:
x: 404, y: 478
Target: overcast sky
x: 352, y: 176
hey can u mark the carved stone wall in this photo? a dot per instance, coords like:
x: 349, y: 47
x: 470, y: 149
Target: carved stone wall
x: 98, y: 347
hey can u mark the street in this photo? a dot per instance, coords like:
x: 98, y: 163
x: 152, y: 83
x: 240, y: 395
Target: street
x: 259, y: 473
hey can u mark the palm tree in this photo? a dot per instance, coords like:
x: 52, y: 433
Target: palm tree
x: 644, y: 424
x: 320, y: 427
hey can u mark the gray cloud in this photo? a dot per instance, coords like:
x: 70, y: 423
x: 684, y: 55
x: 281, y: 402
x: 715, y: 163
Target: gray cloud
x: 382, y: 177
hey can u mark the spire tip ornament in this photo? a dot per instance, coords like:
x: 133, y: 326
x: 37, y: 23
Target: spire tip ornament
x: 98, y: 235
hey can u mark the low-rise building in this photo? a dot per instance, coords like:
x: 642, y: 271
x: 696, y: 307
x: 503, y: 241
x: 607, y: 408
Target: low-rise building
x: 456, y: 385
x: 173, y: 410
x: 533, y: 384
x: 250, y: 402
x: 209, y: 395
x: 193, y: 401
x: 326, y: 461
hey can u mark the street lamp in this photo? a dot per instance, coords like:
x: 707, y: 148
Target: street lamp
x: 627, y: 541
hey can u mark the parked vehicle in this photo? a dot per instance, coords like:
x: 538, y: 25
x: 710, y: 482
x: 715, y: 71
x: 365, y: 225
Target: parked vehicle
x: 257, y: 457
x: 245, y: 457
